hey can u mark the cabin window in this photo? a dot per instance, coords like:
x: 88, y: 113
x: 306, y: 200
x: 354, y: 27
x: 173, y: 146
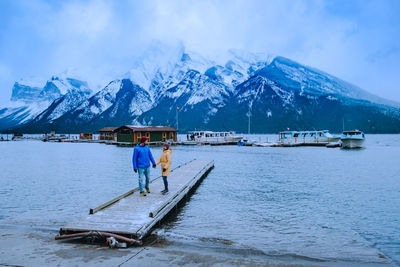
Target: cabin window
x: 171, y: 135
x: 139, y: 134
x: 125, y: 131
x: 296, y: 135
x: 147, y: 134
x: 164, y: 135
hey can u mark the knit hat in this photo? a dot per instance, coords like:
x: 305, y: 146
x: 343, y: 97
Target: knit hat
x: 143, y: 139
x: 167, y: 145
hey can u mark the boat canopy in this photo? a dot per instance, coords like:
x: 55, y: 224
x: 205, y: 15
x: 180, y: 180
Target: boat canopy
x: 211, y: 133
x: 305, y: 134
x: 356, y: 132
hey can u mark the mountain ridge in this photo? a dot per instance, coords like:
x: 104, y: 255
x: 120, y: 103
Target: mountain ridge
x: 277, y: 93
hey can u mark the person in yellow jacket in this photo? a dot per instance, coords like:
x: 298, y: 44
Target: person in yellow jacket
x: 165, y: 160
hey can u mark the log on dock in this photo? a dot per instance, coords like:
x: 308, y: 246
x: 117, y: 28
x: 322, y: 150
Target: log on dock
x: 134, y: 216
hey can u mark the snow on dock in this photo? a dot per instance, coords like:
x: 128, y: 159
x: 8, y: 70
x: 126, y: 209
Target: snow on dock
x: 133, y: 215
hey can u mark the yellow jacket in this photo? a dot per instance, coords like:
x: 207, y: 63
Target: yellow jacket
x: 165, y: 160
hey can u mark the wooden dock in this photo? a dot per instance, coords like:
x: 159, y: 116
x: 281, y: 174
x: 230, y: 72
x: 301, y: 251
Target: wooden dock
x: 133, y: 216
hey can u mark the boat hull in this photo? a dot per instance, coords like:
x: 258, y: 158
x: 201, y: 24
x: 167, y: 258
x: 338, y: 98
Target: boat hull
x: 352, y: 143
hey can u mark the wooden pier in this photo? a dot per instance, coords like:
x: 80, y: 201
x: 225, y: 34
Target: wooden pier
x: 133, y: 216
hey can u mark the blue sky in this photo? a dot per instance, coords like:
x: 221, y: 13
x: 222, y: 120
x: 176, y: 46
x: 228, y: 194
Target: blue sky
x: 358, y: 41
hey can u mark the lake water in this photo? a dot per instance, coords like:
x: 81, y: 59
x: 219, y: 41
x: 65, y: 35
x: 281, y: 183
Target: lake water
x: 308, y: 203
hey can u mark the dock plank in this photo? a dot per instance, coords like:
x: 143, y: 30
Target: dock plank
x: 135, y: 215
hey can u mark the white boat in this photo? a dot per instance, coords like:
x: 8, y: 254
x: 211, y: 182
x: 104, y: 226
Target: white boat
x: 293, y: 138
x: 352, y: 139
x: 54, y: 138
x: 210, y: 137
x: 265, y: 144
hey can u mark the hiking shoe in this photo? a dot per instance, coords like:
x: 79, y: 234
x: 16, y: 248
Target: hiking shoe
x: 147, y: 190
x: 162, y: 192
x: 143, y: 194
x: 165, y: 192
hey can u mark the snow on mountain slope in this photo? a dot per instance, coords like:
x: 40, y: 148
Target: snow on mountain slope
x: 26, y: 102
x: 198, y: 97
x: 18, y: 112
x: 315, y: 82
x: 133, y: 100
x: 98, y: 103
x: 33, y: 103
x: 62, y: 105
x: 162, y: 67
x: 254, y: 89
x: 195, y: 88
x: 175, y: 71
x: 275, y: 89
x: 25, y: 93
x: 57, y: 87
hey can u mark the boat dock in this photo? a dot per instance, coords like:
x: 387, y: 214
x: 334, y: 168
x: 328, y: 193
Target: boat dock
x: 130, y: 217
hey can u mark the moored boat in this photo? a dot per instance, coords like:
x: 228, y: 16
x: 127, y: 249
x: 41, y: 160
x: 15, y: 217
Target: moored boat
x: 295, y: 138
x: 352, y: 139
x: 210, y: 137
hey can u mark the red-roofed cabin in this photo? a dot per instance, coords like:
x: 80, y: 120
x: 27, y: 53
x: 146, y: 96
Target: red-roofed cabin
x: 86, y: 136
x: 108, y: 133
x: 132, y: 134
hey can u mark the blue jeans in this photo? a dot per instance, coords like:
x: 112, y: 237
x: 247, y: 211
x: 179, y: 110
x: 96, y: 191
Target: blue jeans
x: 165, y: 182
x: 144, y: 172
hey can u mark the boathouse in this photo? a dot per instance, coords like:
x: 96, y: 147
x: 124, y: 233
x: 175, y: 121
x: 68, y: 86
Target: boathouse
x: 108, y: 133
x: 132, y: 134
x: 86, y: 136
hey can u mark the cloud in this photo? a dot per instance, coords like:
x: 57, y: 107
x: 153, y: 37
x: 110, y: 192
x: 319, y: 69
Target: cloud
x: 5, y: 72
x: 102, y: 38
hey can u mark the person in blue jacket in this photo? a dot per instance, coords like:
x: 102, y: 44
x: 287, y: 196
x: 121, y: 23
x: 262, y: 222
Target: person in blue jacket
x: 141, y: 163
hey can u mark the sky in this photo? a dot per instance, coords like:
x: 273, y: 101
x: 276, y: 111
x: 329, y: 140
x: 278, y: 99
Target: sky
x: 355, y: 40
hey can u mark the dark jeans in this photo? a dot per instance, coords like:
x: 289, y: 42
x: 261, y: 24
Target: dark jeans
x: 165, y: 182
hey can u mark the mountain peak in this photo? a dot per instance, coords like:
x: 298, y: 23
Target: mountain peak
x: 211, y: 91
x: 25, y: 93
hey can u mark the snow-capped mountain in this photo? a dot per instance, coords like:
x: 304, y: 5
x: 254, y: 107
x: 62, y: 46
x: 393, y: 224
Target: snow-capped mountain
x: 68, y: 93
x: 219, y: 94
x: 31, y: 103
x: 117, y: 103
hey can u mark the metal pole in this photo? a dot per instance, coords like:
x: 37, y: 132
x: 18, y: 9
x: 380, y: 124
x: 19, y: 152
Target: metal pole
x: 177, y: 124
x: 249, y: 114
x: 343, y: 124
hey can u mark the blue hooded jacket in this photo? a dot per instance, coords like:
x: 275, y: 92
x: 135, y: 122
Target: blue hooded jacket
x: 141, y: 157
